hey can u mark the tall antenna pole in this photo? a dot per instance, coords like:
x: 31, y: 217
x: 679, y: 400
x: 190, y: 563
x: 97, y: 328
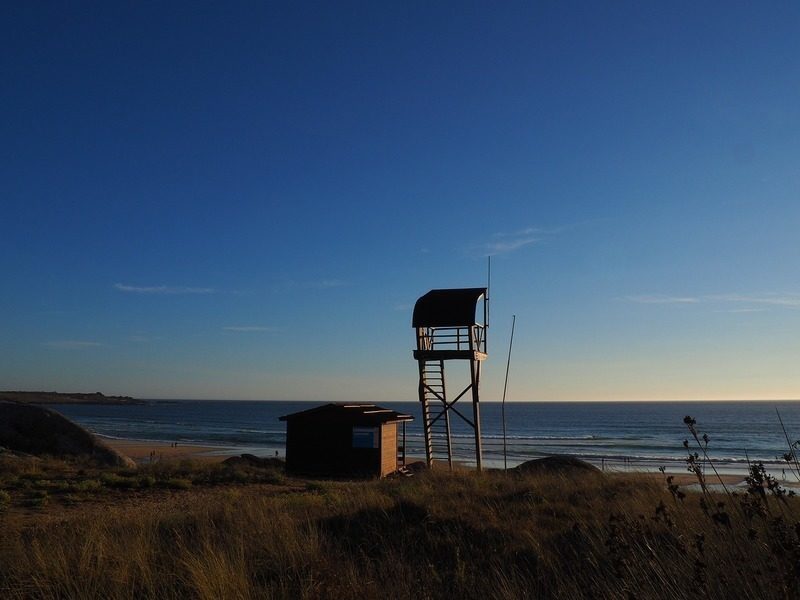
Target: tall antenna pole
x: 505, y: 388
x: 486, y: 304
x: 488, y: 286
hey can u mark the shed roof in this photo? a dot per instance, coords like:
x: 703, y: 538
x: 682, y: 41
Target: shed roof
x: 356, y: 413
x: 447, y: 308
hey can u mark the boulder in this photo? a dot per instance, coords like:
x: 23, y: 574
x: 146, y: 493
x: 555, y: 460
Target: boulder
x: 417, y: 466
x: 251, y: 460
x: 39, y: 431
x: 557, y: 465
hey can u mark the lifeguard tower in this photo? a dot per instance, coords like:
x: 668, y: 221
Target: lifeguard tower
x: 448, y: 329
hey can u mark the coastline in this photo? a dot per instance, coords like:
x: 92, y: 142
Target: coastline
x: 598, y: 433
x: 142, y: 451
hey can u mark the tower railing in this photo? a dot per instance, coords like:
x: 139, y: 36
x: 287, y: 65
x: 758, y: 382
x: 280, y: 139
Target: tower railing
x: 472, y: 337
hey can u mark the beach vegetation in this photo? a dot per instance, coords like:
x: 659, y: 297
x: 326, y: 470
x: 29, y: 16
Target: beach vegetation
x: 177, y: 483
x: 203, y: 530
x: 115, y: 480
x: 36, y: 499
x: 438, y: 534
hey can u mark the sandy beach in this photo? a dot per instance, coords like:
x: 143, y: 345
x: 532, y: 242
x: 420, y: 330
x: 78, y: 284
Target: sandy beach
x: 142, y: 451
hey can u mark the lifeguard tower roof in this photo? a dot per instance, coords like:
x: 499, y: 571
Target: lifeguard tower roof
x: 447, y: 308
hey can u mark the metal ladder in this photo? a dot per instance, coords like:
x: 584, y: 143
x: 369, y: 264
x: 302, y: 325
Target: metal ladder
x: 435, y: 416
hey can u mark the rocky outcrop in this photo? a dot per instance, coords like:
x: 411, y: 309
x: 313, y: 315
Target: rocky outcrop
x: 72, y: 398
x: 40, y: 431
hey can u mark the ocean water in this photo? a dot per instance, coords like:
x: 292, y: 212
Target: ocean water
x: 641, y: 436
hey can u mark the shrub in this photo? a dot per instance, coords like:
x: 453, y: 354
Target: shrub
x: 37, y: 499
x: 147, y: 481
x: 87, y: 485
x: 113, y: 480
x: 176, y: 483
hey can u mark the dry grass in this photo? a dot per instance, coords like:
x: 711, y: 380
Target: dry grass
x: 240, y: 534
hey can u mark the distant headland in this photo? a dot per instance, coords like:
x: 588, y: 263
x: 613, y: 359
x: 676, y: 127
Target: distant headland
x: 67, y: 398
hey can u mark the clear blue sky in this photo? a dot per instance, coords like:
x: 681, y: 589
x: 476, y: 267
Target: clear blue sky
x: 243, y: 200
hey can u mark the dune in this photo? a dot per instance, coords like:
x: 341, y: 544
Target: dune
x: 40, y: 431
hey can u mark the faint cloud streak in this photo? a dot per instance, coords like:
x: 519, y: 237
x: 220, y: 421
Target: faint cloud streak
x: 72, y: 344
x: 505, y: 242
x: 661, y: 299
x: 770, y: 299
x: 505, y: 246
x: 250, y: 328
x: 162, y: 289
x: 757, y: 302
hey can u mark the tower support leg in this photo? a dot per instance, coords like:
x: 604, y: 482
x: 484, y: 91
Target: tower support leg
x: 475, y: 375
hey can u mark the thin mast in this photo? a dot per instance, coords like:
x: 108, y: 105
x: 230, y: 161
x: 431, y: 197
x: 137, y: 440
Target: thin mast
x: 505, y: 387
x: 486, y: 304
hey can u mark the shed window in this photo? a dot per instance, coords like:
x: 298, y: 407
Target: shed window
x: 365, y: 437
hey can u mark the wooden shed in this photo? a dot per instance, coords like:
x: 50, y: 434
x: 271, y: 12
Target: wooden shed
x: 345, y: 440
